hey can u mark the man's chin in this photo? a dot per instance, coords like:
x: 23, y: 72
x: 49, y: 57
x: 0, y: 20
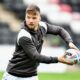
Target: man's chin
x: 31, y: 27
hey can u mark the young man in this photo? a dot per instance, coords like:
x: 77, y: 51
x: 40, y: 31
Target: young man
x: 26, y: 58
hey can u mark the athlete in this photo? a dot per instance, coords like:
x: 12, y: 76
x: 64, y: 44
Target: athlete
x: 26, y: 58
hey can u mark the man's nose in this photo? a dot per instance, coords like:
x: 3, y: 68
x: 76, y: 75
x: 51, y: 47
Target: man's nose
x: 31, y: 20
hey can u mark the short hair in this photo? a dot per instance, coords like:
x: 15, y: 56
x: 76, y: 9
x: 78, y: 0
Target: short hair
x: 32, y: 9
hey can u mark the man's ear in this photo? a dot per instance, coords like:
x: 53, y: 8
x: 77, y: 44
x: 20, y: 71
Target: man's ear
x: 25, y: 16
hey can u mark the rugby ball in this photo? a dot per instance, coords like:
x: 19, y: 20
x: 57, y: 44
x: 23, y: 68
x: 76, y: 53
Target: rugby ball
x: 73, y: 56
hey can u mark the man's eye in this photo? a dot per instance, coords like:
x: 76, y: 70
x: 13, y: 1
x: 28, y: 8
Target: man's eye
x: 28, y: 17
x: 34, y: 17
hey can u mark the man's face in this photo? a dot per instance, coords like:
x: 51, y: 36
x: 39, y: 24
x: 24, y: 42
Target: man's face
x: 32, y: 20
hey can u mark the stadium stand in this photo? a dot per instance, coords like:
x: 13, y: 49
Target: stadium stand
x: 61, y: 12
x: 6, y: 35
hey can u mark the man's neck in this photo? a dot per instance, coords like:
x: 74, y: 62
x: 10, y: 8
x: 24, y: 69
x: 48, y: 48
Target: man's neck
x: 36, y: 28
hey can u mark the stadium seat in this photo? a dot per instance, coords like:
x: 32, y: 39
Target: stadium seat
x: 76, y: 16
x: 75, y: 25
x: 60, y: 18
x: 6, y: 35
x: 65, y: 8
x: 54, y: 1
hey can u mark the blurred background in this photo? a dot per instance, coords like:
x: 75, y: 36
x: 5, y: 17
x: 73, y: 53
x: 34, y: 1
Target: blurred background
x: 65, y: 13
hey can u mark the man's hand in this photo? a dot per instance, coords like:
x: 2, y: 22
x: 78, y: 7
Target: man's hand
x: 71, y: 45
x: 62, y: 59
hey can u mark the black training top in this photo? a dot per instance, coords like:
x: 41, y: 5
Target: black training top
x: 27, y: 55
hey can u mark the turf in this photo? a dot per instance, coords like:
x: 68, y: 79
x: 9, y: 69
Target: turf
x: 1, y: 74
x: 56, y: 76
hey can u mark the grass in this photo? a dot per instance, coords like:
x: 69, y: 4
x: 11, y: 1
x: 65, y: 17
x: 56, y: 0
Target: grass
x: 60, y: 76
x: 56, y: 76
x: 1, y: 74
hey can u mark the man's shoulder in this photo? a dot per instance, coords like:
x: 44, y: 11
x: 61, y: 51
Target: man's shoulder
x: 24, y: 33
x: 43, y: 24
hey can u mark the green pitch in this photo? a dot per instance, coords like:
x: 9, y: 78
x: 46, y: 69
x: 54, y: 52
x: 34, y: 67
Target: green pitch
x: 57, y: 76
x: 1, y: 74
x: 60, y: 76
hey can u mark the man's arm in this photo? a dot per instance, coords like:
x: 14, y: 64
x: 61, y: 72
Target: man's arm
x: 71, y: 45
x: 62, y: 59
x: 57, y: 30
x: 30, y: 50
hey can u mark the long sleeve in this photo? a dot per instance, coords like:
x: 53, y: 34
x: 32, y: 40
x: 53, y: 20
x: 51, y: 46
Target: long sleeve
x: 57, y: 30
x: 32, y: 53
